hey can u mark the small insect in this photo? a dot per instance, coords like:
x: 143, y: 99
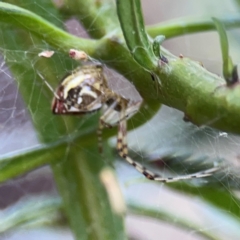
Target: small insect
x: 86, y: 90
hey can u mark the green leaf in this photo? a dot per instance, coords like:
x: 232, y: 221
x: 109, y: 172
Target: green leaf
x: 137, y: 40
x: 229, y: 70
x: 168, y: 217
x: 85, y: 200
x: 221, y: 198
x: 157, y: 44
x: 24, y: 161
x: 102, y: 14
x: 35, y: 212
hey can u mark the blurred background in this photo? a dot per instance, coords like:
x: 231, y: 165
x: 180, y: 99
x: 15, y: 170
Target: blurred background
x: 166, y: 132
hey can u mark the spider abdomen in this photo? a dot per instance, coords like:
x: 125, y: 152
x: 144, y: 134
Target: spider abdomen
x: 79, y: 92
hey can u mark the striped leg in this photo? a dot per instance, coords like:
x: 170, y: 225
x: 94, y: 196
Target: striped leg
x: 99, y: 135
x: 123, y: 152
x: 122, y: 147
x: 102, y: 123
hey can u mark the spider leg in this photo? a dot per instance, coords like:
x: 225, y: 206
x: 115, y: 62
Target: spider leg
x: 89, y: 106
x: 102, y: 123
x: 201, y: 174
x: 122, y: 148
x: 123, y: 152
x: 99, y: 135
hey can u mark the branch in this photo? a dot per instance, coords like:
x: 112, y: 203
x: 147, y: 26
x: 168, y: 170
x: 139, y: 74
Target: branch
x: 35, y: 24
x: 188, y: 25
x: 204, y: 98
x: 185, y: 84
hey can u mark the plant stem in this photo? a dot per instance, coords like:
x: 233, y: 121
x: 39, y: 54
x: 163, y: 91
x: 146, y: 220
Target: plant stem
x: 189, y: 25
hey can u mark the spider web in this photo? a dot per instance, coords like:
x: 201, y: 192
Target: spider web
x: 165, y: 134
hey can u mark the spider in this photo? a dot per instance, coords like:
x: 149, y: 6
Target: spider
x: 86, y: 90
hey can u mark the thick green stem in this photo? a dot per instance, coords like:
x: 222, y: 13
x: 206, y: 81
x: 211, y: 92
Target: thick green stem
x: 23, y: 18
x: 185, y: 85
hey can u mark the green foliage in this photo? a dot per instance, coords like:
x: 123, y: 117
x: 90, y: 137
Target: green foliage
x: 131, y: 21
x: 73, y: 156
x: 229, y: 70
